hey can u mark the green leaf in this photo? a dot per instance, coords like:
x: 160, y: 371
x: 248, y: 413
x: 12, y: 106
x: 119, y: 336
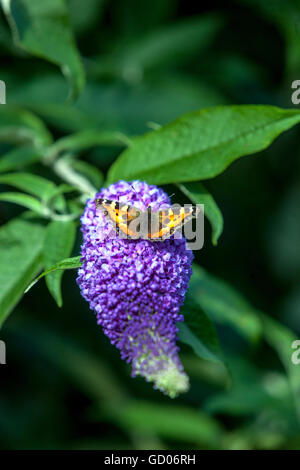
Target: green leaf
x: 54, y: 197
x: 70, y: 263
x: 59, y: 241
x: 170, y: 421
x: 281, y: 339
x: 223, y: 304
x: 199, y: 332
x: 269, y: 391
x: 123, y: 109
x: 19, y: 126
x: 26, y: 201
x: 87, y: 139
x: 91, y: 172
x: 201, y: 144
x: 44, y: 189
x: 19, y: 158
x: 43, y: 29
x: 197, y: 193
x: 63, y: 168
x: 21, y: 246
x: 245, y: 400
x: 32, y: 184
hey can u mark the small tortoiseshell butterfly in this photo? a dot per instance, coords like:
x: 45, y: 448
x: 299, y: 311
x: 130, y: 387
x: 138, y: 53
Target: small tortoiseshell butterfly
x: 149, y: 225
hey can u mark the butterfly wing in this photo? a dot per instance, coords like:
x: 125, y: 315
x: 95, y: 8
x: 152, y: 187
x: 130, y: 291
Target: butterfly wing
x: 159, y: 225
x: 121, y: 215
x: 170, y: 220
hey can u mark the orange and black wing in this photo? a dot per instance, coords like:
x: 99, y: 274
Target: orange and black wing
x: 170, y: 220
x: 119, y: 214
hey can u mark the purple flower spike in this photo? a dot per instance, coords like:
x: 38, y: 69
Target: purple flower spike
x: 136, y: 287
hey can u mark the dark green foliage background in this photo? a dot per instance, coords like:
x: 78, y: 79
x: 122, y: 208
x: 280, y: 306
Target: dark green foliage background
x: 147, y: 63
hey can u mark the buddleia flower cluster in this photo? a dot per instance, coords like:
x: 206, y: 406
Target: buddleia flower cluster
x: 136, y: 287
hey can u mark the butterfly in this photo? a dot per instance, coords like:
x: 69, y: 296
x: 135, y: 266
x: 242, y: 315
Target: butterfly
x: 148, y: 225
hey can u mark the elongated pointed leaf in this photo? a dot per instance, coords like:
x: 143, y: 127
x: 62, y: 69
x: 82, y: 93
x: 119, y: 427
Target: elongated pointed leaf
x: 223, y: 304
x: 42, y: 28
x: 171, y: 421
x: 33, y: 184
x: 87, y: 139
x: 69, y: 263
x: 20, y: 126
x: 40, y: 187
x: 202, y: 144
x: 59, y: 241
x: 19, y: 158
x: 199, y: 332
x: 91, y: 172
x: 24, y: 200
x: 21, y: 244
x: 197, y: 193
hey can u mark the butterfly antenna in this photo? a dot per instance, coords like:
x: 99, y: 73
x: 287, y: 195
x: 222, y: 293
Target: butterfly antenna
x: 133, y: 188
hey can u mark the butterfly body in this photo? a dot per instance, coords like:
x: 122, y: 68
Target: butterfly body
x: 134, y: 223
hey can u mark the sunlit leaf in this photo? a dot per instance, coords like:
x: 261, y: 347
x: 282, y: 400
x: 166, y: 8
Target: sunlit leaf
x: 202, y: 144
x: 69, y: 263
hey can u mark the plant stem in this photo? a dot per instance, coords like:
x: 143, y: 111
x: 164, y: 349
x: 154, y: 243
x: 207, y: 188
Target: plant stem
x: 62, y: 168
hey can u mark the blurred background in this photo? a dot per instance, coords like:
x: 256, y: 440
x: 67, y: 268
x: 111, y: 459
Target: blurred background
x: 64, y: 386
